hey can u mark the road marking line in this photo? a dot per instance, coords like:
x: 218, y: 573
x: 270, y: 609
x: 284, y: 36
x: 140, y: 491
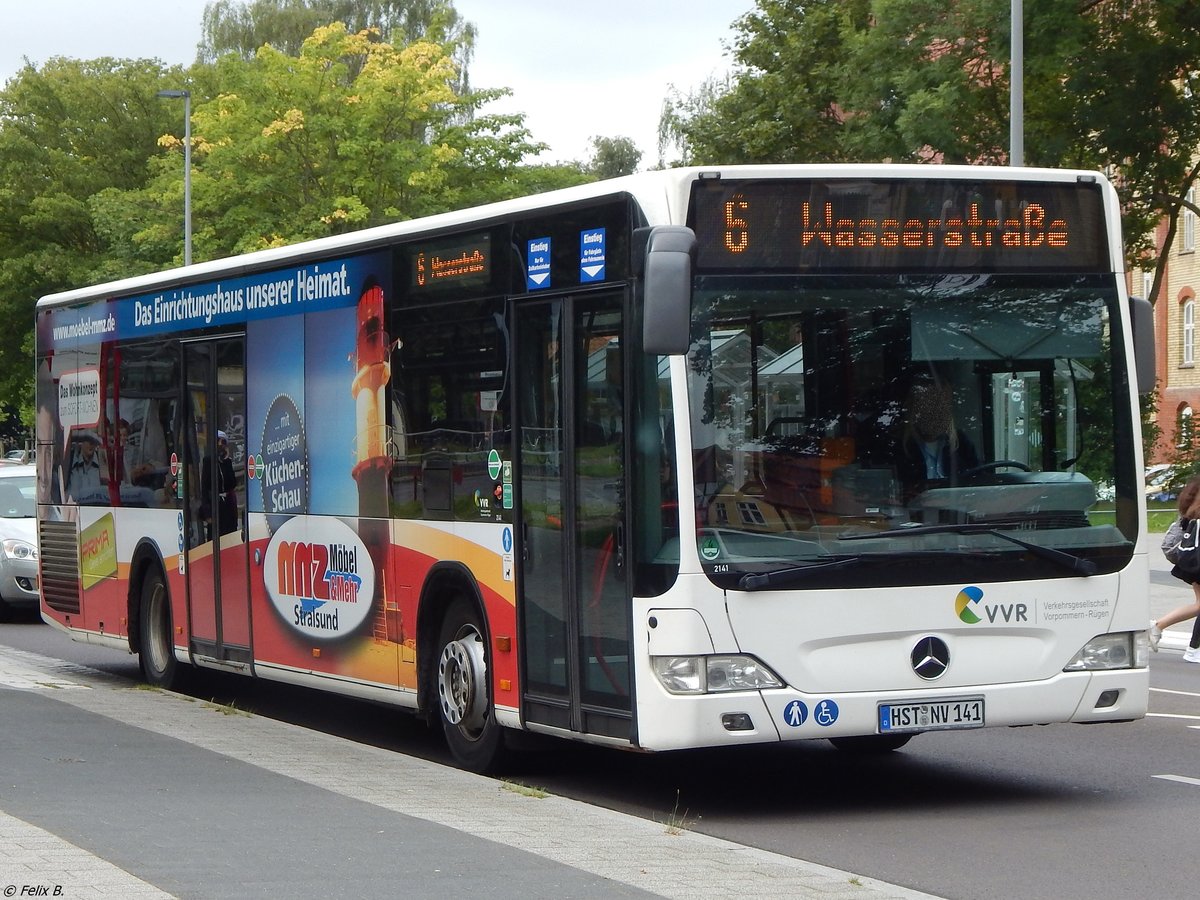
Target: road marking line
x: 1180, y: 693
x: 1151, y: 715
x: 1180, y: 778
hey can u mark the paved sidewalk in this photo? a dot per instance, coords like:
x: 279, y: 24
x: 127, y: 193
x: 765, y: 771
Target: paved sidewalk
x: 110, y: 791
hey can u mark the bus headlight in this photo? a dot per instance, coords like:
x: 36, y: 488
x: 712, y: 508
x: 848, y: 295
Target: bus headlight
x: 713, y: 674
x: 1125, y: 650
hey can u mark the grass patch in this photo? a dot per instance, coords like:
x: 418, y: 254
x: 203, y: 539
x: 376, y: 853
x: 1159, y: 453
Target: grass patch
x: 1160, y: 519
x: 227, y: 709
x: 523, y: 789
x: 677, y: 823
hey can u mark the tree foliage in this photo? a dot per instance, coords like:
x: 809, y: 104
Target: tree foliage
x: 1109, y: 84
x: 68, y: 132
x: 781, y: 104
x: 613, y: 157
x: 242, y: 27
x: 350, y: 133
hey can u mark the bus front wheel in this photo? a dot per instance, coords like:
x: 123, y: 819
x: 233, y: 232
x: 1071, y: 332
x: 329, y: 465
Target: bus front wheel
x: 464, y: 700
x: 156, y: 645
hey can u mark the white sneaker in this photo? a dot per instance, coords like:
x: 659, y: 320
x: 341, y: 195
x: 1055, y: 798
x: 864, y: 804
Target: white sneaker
x: 1192, y: 654
x: 1155, y: 635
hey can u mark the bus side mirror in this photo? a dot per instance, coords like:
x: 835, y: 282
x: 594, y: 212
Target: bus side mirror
x: 1141, y: 314
x: 667, y: 290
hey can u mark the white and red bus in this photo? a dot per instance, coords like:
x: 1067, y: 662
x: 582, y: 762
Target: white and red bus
x: 633, y: 463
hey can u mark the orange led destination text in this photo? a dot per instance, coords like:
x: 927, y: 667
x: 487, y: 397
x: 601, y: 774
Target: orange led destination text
x: 437, y: 268
x: 1032, y: 229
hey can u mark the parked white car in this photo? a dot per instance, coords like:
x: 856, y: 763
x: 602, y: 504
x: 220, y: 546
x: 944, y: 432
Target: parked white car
x: 18, y: 537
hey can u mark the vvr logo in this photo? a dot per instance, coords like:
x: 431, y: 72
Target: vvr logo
x: 969, y: 604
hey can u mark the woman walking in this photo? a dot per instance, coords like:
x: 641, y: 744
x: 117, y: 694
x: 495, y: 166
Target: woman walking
x: 1189, y: 508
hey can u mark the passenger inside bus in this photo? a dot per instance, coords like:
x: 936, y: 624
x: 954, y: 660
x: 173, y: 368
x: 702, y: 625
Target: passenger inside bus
x: 84, y: 484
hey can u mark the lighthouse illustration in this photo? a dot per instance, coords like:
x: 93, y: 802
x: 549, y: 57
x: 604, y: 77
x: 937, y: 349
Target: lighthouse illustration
x: 372, y: 462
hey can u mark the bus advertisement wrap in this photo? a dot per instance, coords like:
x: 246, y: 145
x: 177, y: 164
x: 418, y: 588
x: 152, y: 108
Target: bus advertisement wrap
x: 213, y: 304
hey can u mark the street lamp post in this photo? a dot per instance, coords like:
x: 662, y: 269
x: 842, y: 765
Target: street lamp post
x: 1016, y: 116
x: 187, y: 169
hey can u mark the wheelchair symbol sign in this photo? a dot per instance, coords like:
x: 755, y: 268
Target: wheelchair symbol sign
x: 825, y: 713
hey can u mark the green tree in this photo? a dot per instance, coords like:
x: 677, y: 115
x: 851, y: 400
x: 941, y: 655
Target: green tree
x: 350, y: 133
x: 1141, y: 118
x: 931, y: 82
x: 782, y: 101
x: 1151, y: 432
x: 613, y: 157
x: 1185, y: 454
x: 68, y: 131
x: 1108, y: 85
x: 243, y: 26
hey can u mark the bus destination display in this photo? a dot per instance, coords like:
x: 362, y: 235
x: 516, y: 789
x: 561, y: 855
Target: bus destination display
x: 899, y: 226
x: 464, y: 260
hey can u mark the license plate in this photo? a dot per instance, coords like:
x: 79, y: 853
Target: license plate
x: 931, y: 715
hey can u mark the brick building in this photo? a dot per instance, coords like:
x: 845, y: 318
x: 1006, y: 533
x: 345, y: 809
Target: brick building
x: 1177, y: 353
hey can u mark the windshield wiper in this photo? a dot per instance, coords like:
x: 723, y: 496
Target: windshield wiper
x: 792, y: 574
x: 1076, y: 564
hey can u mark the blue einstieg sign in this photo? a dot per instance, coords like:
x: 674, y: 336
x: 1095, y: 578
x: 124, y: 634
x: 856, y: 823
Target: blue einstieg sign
x: 230, y: 301
x: 591, y: 255
x: 537, y: 264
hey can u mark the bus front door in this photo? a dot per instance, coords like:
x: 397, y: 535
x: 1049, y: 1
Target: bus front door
x: 573, y: 584
x: 215, y: 497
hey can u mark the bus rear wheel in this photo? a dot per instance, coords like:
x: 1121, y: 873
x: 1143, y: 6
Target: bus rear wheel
x: 871, y: 743
x: 464, y: 699
x: 156, y: 644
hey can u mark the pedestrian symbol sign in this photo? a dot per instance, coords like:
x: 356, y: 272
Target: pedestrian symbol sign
x: 795, y: 713
x: 537, y: 264
x: 591, y: 255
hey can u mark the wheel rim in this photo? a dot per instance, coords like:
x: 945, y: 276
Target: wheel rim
x: 462, y: 682
x: 158, y: 637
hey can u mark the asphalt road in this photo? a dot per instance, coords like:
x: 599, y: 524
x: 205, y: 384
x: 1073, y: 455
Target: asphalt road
x: 1051, y: 812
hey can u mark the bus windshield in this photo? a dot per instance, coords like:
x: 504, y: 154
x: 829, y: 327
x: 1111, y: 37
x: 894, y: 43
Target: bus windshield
x: 862, y: 430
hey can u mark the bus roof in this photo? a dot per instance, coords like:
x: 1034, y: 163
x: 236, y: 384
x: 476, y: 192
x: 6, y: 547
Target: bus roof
x: 661, y: 194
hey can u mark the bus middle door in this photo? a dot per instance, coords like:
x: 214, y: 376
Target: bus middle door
x: 215, y: 497
x: 573, y: 582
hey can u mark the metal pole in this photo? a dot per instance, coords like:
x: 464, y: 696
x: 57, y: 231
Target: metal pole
x: 187, y: 169
x: 1016, y: 125
x: 187, y: 178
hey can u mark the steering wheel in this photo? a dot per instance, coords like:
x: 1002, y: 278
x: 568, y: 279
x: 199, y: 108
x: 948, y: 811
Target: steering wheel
x: 996, y: 464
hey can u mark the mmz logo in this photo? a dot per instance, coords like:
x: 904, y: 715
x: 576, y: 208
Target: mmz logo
x: 319, y: 577
x: 969, y: 603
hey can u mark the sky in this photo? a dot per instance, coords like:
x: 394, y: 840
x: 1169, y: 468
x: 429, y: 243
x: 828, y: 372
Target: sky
x: 577, y: 70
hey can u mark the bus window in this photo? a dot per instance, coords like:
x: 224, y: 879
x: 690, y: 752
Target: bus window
x: 448, y: 411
